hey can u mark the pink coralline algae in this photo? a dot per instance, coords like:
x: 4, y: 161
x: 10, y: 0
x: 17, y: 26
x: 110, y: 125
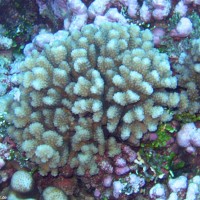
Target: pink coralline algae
x: 111, y: 172
x: 5, y: 148
x: 120, y: 164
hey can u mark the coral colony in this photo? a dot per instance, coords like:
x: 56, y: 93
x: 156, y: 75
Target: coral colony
x: 106, y: 107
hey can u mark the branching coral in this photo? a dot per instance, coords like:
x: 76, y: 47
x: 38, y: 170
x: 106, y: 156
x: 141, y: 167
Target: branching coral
x: 188, y: 70
x: 83, y: 94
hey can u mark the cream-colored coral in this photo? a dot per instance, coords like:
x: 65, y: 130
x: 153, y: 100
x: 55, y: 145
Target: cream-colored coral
x: 99, y: 81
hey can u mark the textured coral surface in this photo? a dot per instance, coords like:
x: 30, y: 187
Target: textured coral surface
x: 95, y: 111
x: 81, y: 94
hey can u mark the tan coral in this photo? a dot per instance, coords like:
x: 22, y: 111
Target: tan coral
x: 107, y: 81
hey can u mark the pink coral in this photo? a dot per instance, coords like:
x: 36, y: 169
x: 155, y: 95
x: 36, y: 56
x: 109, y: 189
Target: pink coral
x: 158, y: 34
x: 132, y: 8
x: 114, y: 16
x: 145, y: 12
x: 107, y: 181
x: 120, y: 162
x: 77, y: 7
x: 183, y: 28
x: 43, y: 38
x: 196, y: 2
x: 184, y: 135
x: 131, y: 155
x: 117, y: 188
x: 122, y: 170
x: 59, y: 8
x: 181, y: 8
x: 157, y: 191
x: 79, y: 15
x: 98, y: 7
x: 2, y: 163
x: 189, y: 137
x: 97, y: 193
x: 106, y: 166
x: 161, y: 9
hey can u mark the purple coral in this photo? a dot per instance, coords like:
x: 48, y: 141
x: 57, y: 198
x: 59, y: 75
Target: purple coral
x: 183, y: 28
x: 157, y: 191
x: 189, y: 137
x: 181, y: 8
x: 178, y: 184
x: 161, y: 9
x: 131, y: 184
